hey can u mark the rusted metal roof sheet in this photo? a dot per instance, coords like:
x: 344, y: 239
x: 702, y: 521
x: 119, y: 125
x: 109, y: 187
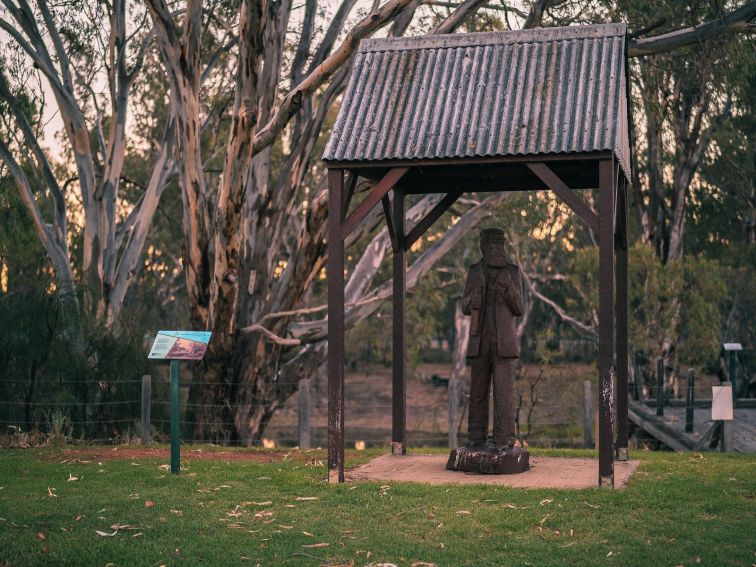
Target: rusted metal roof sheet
x: 541, y: 91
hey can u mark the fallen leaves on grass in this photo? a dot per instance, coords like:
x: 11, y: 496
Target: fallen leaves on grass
x: 124, y: 527
x: 513, y: 507
x: 72, y: 478
x: 106, y: 534
x: 41, y: 535
x: 51, y: 492
x: 149, y: 504
x: 322, y: 544
x: 306, y: 498
x: 422, y: 564
x: 462, y: 512
x: 546, y: 501
x: 594, y: 506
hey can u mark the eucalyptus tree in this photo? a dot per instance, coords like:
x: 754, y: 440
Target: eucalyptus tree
x: 251, y: 89
x: 86, y: 61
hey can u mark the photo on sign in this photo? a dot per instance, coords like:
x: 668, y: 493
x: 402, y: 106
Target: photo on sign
x: 180, y: 345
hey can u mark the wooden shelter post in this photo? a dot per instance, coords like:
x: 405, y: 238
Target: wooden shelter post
x: 621, y: 320
x: 607, y: 179
x: 399, y: 391
x: 335, y: 268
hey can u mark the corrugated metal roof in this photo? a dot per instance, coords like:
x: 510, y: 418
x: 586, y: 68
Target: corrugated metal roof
x: 541, y: 91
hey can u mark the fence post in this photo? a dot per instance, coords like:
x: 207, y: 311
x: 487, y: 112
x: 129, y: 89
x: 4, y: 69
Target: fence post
x: 453, y: 416
x: 689, y: 401
x: 146, y: 398
x: 304, y: 414
x: 727, y: 432
x: 587, y: 416
x: 660, y: 387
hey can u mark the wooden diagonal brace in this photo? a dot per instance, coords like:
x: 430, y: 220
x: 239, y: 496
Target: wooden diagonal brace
x: 351, y: 183
x: 390, y: 222
x: 376, y: 194
x: 578, y: 206
x: 426, y: 222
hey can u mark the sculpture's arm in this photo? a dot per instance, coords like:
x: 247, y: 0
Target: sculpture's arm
x: 467, y: 295
x: 513, y: 293
x: 472, y: 296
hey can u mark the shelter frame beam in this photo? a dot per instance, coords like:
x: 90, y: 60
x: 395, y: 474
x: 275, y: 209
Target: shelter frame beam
x: 335, y: 271
x: 578, y: 206
x: 607, y: 192
x: 433, y: 215
x: 620, y: 250
x: 398, y: 355
x: 377, y: 193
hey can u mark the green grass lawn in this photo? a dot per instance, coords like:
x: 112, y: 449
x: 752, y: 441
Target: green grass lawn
x: 679, y: 509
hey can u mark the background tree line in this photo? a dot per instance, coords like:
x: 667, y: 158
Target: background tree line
x: 184, y: 188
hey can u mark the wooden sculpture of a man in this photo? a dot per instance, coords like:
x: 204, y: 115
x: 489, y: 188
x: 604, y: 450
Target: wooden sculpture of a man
x: 493, y: 298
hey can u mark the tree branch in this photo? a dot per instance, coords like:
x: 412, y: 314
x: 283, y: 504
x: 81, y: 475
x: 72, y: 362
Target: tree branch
x: 735, y: 21
x: 292, y: 102
x: 60, y: 50
x: 556, y: 307
x: 455, y: 19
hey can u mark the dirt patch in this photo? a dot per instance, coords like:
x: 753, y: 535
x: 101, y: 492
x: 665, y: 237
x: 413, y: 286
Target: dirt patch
x: 545, y: 472
x: 82, y: 455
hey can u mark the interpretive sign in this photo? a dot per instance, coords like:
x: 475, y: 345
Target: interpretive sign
x: 721, y: 403
x: 180, y: 345
x: 176, y: 346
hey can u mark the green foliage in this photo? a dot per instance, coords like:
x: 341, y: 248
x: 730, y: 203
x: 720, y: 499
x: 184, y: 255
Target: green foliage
x: 85, y: 384
x: 692, y: 289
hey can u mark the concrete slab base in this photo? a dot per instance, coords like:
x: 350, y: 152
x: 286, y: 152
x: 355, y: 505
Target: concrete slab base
x: 545, y: 472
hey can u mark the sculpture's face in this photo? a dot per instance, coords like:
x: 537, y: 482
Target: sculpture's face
x: 493, y: 253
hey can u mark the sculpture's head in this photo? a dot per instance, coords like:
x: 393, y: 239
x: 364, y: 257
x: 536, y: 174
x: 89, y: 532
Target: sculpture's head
x: 492, y: 242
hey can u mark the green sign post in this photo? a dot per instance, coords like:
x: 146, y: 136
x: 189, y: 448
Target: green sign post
x: 176, y: 346
x: 175, y: 418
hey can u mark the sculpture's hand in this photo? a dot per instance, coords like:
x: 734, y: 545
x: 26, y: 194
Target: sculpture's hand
x: 503, y: 281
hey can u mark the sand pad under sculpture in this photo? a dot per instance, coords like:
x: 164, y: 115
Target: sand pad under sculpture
x: 545, y: 472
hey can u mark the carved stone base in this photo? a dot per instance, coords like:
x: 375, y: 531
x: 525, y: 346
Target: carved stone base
x: 488, y: 460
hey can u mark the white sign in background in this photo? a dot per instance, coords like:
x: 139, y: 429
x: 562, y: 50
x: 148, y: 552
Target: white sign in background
x: 721, y: 403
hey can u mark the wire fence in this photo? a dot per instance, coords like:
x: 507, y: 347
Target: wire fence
x: 80, y: 411
x: 113, y: 412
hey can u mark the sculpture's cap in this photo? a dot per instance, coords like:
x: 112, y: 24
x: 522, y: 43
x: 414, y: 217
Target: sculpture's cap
x: 492, y: 235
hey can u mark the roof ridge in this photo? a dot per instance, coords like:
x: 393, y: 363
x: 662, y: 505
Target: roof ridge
x: 482, y: 39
